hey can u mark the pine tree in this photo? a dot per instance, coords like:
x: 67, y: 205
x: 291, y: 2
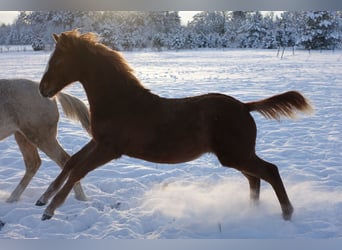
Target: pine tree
x: 268, y: 40
x: 254, y: 31
x: 233, y: 29
x: 210, y: 28
x: 319, y: 30
x: 4, y: 33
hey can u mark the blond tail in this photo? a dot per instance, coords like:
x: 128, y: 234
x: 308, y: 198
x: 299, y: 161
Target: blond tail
x: 75, y: 109
x: 282, y: 105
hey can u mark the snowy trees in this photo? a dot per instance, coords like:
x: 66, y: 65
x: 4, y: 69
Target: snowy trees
x: 320, y: 30
x: 35, y: 27
x: 246, y: 29
x: 286, y: 30
x: 127, y: 30
x: 255, y: 31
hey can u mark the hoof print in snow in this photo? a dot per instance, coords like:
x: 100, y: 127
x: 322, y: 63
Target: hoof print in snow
x: 2, y: 224
x: 120, y: 206
x: 117, y: 205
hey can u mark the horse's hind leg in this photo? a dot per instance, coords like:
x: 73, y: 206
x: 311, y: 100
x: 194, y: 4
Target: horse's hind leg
x: 261, y: 169
x: 254, y: 187
x: 32, y: 163
x: 269, y: 172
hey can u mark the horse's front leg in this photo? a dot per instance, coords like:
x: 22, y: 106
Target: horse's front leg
x: 58, y: 182
x: 90, y: 160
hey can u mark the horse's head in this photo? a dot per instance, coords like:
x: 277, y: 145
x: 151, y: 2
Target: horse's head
x: 77, y: 58
x: 62, y: 68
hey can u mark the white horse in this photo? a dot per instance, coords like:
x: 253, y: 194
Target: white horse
x: 33, y: 121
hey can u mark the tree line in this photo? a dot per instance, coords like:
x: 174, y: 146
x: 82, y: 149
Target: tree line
x: 128, y: 30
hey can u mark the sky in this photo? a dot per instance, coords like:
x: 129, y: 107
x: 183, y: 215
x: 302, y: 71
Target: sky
x: 186, y: 16
x: 8, y: 17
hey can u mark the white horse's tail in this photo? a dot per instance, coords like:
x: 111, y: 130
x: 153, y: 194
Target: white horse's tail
x: 75, y: 109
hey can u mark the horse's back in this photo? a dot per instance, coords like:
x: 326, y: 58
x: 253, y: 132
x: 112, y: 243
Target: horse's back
x: 23, y: 92
x: 22, y: 104
x: 182, y: 129
x: 17, y: 91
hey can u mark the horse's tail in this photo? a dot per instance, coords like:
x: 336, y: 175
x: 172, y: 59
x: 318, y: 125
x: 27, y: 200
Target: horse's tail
x: 286, y: 104
x: 75, y: 109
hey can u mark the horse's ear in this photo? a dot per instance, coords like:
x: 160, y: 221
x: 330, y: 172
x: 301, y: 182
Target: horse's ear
x: 55, y: 37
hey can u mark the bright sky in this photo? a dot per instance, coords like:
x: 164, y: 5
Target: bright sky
x: 8, y: 17
x: 186, y: 16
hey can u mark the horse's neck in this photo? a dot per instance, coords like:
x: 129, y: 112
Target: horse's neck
x: 115, y: 90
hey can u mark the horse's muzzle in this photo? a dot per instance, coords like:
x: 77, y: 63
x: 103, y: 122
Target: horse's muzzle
x: 43, y: 90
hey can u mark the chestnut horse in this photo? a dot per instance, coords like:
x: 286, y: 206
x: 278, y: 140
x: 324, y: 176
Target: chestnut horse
x: 127, y: 119
x: 33, y: 120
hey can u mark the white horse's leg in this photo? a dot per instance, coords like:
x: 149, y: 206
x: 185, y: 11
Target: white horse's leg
x: 32, y: 163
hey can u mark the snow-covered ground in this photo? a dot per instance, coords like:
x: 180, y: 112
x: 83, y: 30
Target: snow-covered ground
x: 15, y: 48
x: 130, y: 198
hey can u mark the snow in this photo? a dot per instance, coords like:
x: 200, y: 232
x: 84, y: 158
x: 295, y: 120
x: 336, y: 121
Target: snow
x: 134, y: 199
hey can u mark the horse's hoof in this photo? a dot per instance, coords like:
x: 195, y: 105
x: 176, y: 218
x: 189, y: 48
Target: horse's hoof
x: 287, y: 213
x: 39, y: 203
x: 46, y: 217
x: 287, y: 217
x: 81, y: 198
x: 11, y: 200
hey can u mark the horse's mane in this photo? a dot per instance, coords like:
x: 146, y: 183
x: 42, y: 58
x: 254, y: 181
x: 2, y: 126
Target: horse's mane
x: 74, y: 40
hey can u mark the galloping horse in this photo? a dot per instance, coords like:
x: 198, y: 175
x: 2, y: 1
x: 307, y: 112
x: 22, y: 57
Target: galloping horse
x: 127, y: 119
x: 33, y: 121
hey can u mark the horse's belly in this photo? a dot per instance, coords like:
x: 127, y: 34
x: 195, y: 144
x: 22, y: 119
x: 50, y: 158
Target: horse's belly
x: 167, y: 157
x: 170, y: 152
